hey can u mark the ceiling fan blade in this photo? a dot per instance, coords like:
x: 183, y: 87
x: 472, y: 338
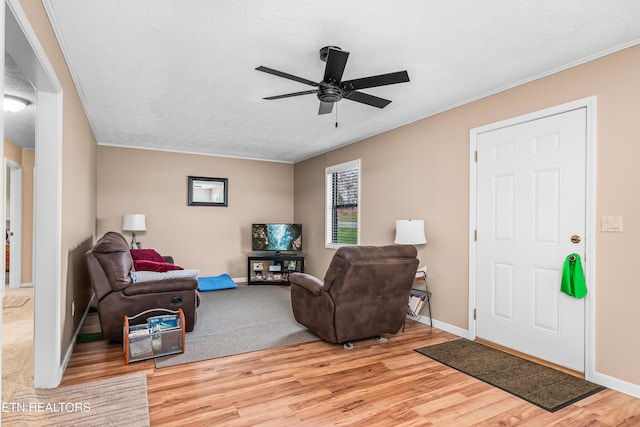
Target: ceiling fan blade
x: 289, y: 95
x: 325, y: 107
x: 373, y: 81
x: 365, y: 98
x: 336, y: 61
x: 286, y: 75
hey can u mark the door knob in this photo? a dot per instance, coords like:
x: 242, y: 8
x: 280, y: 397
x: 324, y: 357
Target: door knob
x: 575, y: 239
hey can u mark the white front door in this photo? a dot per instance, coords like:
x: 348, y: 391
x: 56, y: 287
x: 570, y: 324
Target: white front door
x: 531, y: 189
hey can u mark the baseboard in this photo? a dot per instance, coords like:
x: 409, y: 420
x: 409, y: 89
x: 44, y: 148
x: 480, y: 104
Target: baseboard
x: 72, y: 345
x: 445, y: 327
x: 616, y: 384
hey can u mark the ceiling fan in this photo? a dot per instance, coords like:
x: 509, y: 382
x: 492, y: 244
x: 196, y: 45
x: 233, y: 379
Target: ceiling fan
x: 332, y: 89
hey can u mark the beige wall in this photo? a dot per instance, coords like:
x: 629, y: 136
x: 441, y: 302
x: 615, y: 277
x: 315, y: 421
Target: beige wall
x: 215, y: 240
x: 78, y: 201
x: 422, y: 171
x: 12, y: 151
x: 25, y: 158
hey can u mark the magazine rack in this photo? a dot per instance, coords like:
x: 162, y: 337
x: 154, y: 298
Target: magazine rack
x: 420, y: 297
x: 159, y: 336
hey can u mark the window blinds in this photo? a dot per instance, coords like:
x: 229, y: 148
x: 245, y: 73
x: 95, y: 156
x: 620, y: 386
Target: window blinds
x: 343, y: 193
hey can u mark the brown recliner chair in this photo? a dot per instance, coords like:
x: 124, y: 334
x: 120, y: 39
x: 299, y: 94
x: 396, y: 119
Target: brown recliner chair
x: 364, y: 294
x: 110, y: 263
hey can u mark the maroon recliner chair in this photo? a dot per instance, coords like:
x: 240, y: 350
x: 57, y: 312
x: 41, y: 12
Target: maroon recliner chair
x: 109, y: 263
x: 364, y: 294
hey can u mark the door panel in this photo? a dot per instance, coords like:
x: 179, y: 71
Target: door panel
x: 545, y: 302
x: 503, y: 291
x: 546, y: 202
x: 531, y: 189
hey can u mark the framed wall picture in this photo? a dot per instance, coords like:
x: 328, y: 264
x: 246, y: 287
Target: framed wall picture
x: 204, y: 191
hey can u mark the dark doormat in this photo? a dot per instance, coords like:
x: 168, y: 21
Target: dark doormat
x: 543, y: 386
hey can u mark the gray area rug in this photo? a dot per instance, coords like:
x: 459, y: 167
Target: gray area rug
x: 240, y: 320
x: 97, y: 403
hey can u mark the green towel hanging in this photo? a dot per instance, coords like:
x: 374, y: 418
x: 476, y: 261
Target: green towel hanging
x: 573, y: 282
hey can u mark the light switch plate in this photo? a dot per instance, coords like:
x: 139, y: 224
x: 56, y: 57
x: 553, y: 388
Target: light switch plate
x: 612, y: 224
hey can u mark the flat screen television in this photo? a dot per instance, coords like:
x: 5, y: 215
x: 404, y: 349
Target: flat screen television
x: 276, y: 237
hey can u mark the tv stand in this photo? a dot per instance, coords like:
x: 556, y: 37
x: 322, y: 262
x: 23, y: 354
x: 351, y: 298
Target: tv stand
x: 273, y: 269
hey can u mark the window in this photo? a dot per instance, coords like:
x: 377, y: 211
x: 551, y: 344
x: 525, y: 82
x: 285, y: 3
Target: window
x: 342, y: 204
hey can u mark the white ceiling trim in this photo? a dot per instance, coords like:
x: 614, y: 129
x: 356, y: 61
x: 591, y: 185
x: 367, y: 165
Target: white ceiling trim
x: 168, y: 150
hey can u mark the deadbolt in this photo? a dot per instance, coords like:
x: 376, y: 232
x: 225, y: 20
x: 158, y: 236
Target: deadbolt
x: 575, y: 239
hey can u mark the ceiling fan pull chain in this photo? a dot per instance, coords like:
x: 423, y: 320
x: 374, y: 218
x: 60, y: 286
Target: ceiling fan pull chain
x: 336, y: 114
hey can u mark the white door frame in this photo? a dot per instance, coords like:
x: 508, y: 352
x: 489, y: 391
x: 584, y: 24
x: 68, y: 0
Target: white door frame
x: 15, y: 219
x: 589, y: 261
x: 23, y: 45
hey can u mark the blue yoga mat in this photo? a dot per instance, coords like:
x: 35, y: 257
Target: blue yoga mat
x: 215, y: 283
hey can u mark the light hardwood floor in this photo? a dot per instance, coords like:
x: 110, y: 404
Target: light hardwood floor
x: 321, y: 384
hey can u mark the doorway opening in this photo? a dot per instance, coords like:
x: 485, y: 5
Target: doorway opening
x: 13, y: 223
x: 22, y: 44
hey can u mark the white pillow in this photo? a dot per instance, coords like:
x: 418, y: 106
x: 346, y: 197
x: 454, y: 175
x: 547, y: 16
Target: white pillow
x: 181, y: 274
x: 148, y: 276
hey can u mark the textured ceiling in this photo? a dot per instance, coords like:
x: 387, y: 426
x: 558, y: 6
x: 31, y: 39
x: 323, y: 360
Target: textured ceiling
x: 171, y: 75
x: 19, y: 127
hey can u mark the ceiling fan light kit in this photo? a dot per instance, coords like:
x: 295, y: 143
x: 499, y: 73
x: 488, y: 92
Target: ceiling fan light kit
x: 332, y: 89
x: 14, y: 104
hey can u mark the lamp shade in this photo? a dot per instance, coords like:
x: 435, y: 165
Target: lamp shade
x: 410, y: 232
x: 134, y: 222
